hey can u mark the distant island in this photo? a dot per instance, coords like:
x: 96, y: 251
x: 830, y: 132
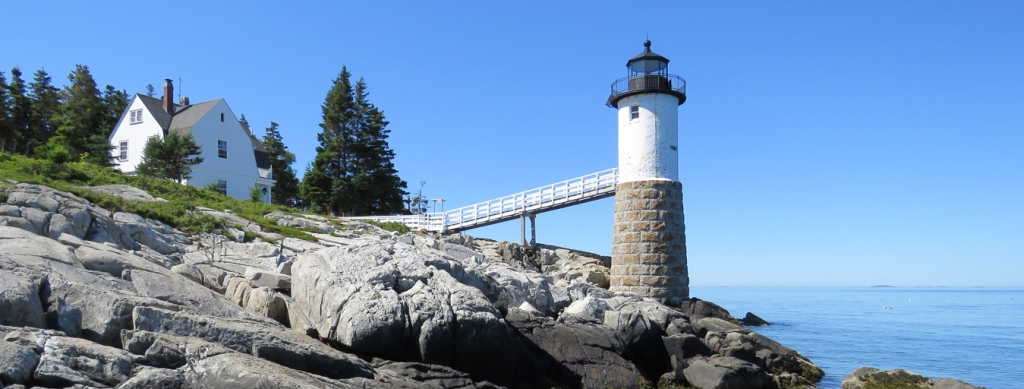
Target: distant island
x: 882, y: 286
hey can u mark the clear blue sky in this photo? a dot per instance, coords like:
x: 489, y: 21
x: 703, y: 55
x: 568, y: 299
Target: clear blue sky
x: 823, y: 143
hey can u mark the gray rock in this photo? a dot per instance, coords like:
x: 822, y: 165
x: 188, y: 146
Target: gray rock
x: 67, y: 361
x: 706, y: 324
x: 191, y: 272
x: 126, y: 192
x: 155, y: 378
x: 697, y: 309
x: 382, y: 299
x: 19, y: 301
x: 952, y: 383
x: 34, y: 196
x: 725, y: 373
x: 867, y: 377
x: 17, y: 362
x: 575, y: 355
x: 272, y: 342
x: 762, y: 351
x: 64, y: 317
x: 433, y: 376
x: 19, y: 246
x: 299, y: 221
x: 753, y: 320
x: 270, y: 280
x: 240, y: 371
x: 151, y: 233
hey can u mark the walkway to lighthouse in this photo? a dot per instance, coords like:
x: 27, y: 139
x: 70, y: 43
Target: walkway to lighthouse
x: 579, y: 190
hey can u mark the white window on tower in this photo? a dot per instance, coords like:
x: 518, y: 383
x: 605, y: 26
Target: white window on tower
x: 222, y: 148
x: 123, y: 148
x: 135, y: 116
x: 222, y: 187
x: 634, y: 112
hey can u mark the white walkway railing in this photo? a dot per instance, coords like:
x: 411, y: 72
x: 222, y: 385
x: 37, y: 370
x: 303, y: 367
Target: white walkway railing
x: 562, y: 194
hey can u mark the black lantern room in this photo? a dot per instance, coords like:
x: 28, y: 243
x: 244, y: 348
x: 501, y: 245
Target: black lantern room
x: 647, y: 73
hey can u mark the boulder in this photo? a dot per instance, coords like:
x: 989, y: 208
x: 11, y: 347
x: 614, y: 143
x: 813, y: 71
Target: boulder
x: 762, y: 351
x: 126, y: 192
x: 269, y: 342
x: 753, y: 320
x: 267, y: 279
x: 284, y: 219
x: 724, y: 373
x: 390, y: 301
x: 17, y: 362
x: 67, y: 361
x: 869, y: 377
x: 19, y: 301
x: 587, y: 355
x: 151, y: 233
x: 240, y: 371
x: 433, y: 376
x: 697, y: 309
x: 155, y: 378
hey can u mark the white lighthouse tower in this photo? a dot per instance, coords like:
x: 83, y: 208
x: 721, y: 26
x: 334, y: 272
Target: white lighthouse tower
x: 649, y: 242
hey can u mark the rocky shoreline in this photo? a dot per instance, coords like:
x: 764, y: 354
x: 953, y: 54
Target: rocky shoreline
x: 94, y: 298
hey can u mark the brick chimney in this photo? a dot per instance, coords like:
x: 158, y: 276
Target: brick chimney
x: 168, y: 96
x: 184, y: 101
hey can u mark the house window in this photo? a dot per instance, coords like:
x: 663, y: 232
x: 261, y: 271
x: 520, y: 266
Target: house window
x: 222, y: 187
x: 222, y: 117
x: 634, y: 112
x: 135, y: 116
x: 222, y: 148
x: 123, y: 148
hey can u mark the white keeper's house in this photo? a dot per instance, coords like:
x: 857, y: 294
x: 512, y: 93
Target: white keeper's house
x: 232, y: 157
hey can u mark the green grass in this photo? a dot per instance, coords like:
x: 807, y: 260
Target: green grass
x: 389, y: 226
x: 179, y: 211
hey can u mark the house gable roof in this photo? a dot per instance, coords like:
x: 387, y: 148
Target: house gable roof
x: 185, y: 117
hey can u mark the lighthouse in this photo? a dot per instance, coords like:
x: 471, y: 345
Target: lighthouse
x: 649, y: 241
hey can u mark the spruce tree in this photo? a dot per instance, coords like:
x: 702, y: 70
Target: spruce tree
x: 6, y: 127
x: 352, y: 173
x: 21, y: 113
x: 114, y: 103
x: 45, y: 105
x: 82, y: 118
x: 286, y: 190
x: 171, y: 157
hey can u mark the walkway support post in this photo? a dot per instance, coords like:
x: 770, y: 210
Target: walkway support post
x: 533, y: 228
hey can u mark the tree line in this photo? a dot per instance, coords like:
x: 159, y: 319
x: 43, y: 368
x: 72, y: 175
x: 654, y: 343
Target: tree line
x: 37, y: 118
x: 352, y: 174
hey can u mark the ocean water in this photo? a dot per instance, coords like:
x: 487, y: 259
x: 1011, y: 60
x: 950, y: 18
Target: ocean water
x: 972, y: 334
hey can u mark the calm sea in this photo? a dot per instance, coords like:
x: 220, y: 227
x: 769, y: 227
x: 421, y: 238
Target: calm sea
x: 972, y: 334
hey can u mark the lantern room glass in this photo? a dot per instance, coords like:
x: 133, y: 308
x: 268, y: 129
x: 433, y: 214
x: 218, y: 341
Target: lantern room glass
x: 649, y: 66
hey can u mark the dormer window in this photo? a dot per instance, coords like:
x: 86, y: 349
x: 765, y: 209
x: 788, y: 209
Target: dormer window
x: 222, y: 148
x: 135, y: 116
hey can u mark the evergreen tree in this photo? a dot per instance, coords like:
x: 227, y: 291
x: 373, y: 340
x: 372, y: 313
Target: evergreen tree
x: 286, y: 190
x: 21, y: 112
x: 6, y: 127
x: 245, y: 124
x: 45, y: 105
x: 171, y: 157
x: 352, y: 173
x: 82, y: 118
x: 114, y: 103
x: 149, y: 90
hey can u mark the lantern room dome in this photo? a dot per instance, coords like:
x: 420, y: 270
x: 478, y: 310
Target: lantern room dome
x: 648, y: 61
x: 647, y: 73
